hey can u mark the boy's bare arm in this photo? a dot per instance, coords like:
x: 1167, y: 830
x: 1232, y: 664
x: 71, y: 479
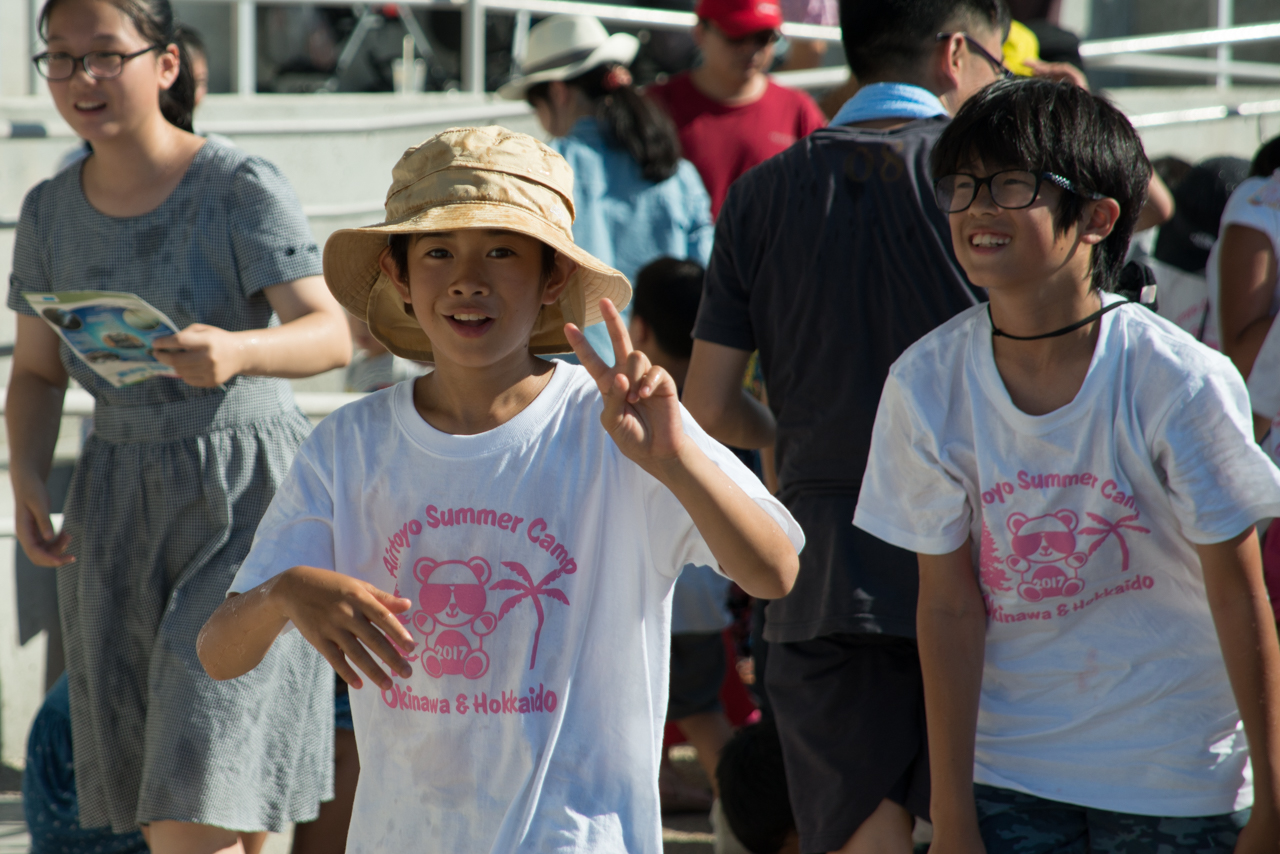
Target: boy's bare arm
x: 1247, y: 633
x: 340, y: 616
x: 951, y: 630
x: 642, y: 415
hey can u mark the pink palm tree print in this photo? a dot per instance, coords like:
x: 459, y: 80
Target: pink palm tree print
x: 1108, y: 528
x: 526, y: 589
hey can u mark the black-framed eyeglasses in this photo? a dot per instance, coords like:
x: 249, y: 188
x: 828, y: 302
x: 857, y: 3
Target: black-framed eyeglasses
x: 996, y: 62
x: 98, y: 64
x: 1011, y: 189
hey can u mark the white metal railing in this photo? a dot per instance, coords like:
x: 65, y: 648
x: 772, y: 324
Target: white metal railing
x: 1137, y: 53
x: 1122, y: 53
x: 315, y: 404
x: 79, y: 402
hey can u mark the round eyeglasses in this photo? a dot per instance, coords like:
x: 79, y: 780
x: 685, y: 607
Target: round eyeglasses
x: 100, y: 64
x: 1011, y: 189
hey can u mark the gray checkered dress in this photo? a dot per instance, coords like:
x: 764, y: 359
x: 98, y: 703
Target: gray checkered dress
x: 166, y: 497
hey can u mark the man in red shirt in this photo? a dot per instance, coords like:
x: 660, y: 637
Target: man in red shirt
x: 730, y: 115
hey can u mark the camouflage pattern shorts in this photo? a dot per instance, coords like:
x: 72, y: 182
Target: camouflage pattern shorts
x: 1014, y: 823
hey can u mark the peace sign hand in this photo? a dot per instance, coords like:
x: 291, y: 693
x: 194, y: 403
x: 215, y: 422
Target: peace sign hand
x: 641, y: 405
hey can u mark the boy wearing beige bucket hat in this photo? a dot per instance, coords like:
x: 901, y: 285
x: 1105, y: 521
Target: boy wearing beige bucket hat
x: 504, y: 532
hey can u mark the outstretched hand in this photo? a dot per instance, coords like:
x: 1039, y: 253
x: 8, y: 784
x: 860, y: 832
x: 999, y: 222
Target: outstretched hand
x: 641, y: 404
x: 348, y: 621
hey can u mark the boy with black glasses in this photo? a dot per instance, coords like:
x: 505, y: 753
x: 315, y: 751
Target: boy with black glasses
x: 1079, y: 479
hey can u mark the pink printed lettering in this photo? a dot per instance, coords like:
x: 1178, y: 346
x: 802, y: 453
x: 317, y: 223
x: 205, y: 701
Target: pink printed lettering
x: 504, y: 520
x: 997, y: 493
x: 536, y: 527
x: 547, y: 542
x: 397, y: 542
x: 1111, y: 491
x: 1053, y: 481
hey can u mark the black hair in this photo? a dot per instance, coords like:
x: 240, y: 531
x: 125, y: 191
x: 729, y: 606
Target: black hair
x: 1043, y: 126
x: 1172, y: 170
x: 628, y: 118
x: 1198, y: 202
x: 154, y: 21
x: 667, y: 294
x: 401, y: 243
x: 190, y: 38
x: 885, y: 36
x: 753, y: 788
x: 1267, y: 160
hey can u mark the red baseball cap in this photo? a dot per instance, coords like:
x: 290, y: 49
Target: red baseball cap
x: 738, y: 18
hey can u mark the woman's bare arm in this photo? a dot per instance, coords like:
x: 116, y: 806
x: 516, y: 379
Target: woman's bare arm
x: 33, y: 411
x: 312, y: 337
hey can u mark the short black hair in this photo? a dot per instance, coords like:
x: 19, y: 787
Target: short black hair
x: 402, y: 242
x: 883, y: 36
x: 1043, y: 126
x: 753, y: 788
x: 667, y: 294
x: 1267, y: 160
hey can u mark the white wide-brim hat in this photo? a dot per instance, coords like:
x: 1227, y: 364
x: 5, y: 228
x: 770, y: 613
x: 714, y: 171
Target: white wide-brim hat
x: 564, y: 46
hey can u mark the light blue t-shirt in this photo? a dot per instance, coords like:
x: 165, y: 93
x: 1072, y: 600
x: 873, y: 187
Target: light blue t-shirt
x: 626, y: 220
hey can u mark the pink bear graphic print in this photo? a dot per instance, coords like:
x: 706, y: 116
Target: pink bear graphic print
x: 1045, y: 555
x: 453, y: 599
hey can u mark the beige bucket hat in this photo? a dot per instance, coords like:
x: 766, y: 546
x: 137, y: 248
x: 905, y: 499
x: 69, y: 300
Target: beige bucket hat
x: 564, y: 46
x: 486, y: 177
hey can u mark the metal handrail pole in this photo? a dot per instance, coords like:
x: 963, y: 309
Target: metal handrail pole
x: 246, y: 47
x: 473, y: 64
x: 1182, y: 40
x: 1191, y: 66
x: 1226, y: 14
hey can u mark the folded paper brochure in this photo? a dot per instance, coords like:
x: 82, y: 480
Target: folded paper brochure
x: 111, y: 331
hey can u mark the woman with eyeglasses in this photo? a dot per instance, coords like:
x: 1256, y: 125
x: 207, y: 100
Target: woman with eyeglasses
x: 170, y: 486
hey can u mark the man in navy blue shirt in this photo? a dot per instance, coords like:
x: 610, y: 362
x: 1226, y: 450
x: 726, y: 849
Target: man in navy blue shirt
x: 831, y: 259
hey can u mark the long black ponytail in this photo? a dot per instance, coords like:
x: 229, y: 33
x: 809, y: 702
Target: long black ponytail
x: 154, y: 21
x: 628, y: 118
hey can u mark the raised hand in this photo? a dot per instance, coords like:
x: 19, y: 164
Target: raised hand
x: 641, y: 405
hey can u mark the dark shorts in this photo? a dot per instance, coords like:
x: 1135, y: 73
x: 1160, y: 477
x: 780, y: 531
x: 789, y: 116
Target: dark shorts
x: 850, y: 712
x: 697, y: 672
x: 1015, y: 823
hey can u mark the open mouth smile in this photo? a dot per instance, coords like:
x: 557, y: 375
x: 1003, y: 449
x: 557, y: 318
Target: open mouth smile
x: 469, y: 324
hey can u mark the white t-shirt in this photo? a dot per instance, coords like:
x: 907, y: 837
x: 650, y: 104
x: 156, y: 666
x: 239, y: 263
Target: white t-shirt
x: 1254, y: 204
x: 1103, y: 683
x: 540, y: 561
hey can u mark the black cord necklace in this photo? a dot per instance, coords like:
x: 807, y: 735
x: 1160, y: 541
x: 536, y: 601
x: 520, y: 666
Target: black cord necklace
x: 997, y: 332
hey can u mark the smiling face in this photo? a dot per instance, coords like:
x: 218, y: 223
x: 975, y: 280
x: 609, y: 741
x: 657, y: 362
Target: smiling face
x: 1001, y: 249
x: 98, y: 110
x: 477, y: 292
